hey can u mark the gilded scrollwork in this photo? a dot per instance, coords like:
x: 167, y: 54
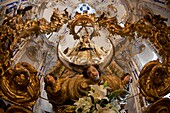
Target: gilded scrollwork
x: 149, y: 27
x: 160, y: 106
x: 21, y: 85
x: 84, y: 20
x: 154, y: 80
x: 17, y: 109
x: 154, y: 28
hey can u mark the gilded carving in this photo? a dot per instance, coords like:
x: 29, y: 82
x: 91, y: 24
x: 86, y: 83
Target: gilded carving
x: 160, y: 106
x: 21, y: 85
x: 66, y: 90
x: 154, y: 80
x: 66, y: 82
x: 17, y: 109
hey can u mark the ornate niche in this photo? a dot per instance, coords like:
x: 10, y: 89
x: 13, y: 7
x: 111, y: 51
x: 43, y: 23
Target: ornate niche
x: 68, y: 80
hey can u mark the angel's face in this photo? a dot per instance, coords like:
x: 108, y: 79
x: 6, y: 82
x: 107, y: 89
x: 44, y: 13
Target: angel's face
x: 93, y: 73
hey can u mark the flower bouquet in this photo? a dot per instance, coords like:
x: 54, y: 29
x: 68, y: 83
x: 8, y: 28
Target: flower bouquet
x: 101, y: 100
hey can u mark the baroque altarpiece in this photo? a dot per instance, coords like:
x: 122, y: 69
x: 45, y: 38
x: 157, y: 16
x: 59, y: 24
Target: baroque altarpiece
x: 84, y: 56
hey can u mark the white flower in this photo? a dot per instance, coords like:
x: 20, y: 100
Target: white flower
x: 115, y: 105
x: 106, y: 109
x: 98, y: 92
x: 84, y: 104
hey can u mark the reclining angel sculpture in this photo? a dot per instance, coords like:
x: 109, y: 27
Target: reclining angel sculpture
x: 81, y: 66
